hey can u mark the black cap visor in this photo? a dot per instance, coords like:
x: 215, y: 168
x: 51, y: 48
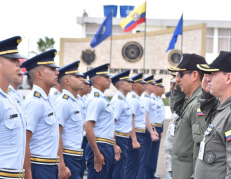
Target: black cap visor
x: 77, y: 74
x: 204, y: 68
x: 52, y: 65
x: 128, y: 79
x: 107, y: 74
x: 13, y: 56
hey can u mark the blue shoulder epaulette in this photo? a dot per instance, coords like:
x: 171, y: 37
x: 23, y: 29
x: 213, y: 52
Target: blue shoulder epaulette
x: 65, y: 96
x: 96, y: 94
x: 37, y: 94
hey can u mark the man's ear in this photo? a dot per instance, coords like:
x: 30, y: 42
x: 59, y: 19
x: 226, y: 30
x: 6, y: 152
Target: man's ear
x: 228, y: 78
x: 39, y: 74
x: 195, y: 75
x: 97, y: 79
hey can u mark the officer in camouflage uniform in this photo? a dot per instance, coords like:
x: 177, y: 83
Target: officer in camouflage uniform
x: 189, y: 131
x: 214, y: 159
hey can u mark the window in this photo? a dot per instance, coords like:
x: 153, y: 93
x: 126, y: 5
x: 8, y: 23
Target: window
x: 224, y: 39
x: 209, y: 40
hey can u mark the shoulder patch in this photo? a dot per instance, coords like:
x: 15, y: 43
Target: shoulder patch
x: 120, y: 97
x: 8, y: 89
x: 96, y: 94
x: 37, y: 94
x: 199, y: 113
x: 133, y: 96
x: 65, y: 96
x: 56, y: 93
x: 146, y: 95
x: 228, y: 135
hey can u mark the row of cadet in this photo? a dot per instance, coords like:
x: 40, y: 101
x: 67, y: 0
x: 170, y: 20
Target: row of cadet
x: 52, y: 136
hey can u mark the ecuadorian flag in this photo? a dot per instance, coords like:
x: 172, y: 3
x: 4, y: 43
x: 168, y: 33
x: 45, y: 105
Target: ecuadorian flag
x: 137, y: 16
x: 228, y: 135
x: 199, y: 113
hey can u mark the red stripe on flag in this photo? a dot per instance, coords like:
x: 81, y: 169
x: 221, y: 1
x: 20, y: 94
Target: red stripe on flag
x: 141, y: 20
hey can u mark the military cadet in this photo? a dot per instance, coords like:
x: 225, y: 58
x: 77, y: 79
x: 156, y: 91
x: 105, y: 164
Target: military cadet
x: 55, y: 92
x: 69, y: 114
x: 134, y: 101
x: 123, y: 119
x: 12, y: 121
x: 151, y: 134
x: 99, y: 126
x: 81, y: 93
x: 215, y: 149
x: 42, y: 123
x: 13, y: 88
x: 191, y: 126
x: 160, y: 116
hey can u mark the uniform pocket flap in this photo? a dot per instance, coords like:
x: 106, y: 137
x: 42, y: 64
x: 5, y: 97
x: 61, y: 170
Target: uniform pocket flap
x: 12, y: 123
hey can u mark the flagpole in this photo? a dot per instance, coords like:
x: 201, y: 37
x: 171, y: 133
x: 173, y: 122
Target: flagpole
x: 182, y: 36
x: 111, y: 39
x: 145, y: 34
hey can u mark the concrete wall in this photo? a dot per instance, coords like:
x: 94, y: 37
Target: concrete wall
x: 194, y: 41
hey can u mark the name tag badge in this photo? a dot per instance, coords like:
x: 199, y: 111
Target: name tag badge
x: 13, y: 116
x: 51, y: 114
x: 202, y: 149
x: 172, y: 129
x: 209, y: 129
x: 76, y: 112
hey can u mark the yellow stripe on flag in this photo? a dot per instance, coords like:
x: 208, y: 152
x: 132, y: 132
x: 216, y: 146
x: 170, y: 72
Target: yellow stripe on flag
x: 139, y: 10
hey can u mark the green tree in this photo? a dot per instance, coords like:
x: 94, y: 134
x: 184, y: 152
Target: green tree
x: 43, y: 45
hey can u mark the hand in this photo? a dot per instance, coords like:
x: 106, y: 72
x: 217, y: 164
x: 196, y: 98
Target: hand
x: 154, y: 136
x: 135, y: 144
x: 204, y: 83
x: 28, y: 174
x: 64, y: 172
x: 99, y: 162
x: 172, y: 86
x: 177, y: 76
x: 117, y: 152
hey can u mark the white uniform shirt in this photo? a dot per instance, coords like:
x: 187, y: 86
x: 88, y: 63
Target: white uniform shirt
x: 12, y: 133
x: 122, y: 113
x: 68, y: 112
x: 100, y: 111
x: 42, y: 122
x: 138, y: 109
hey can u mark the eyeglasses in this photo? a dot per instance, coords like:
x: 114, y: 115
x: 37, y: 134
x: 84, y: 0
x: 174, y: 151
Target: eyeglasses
x: 181, y: 74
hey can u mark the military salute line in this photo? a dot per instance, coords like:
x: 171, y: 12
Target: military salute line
x: 63, y: 123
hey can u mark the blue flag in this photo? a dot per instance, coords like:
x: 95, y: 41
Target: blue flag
x: 178, y: 31
x: 104, y: 31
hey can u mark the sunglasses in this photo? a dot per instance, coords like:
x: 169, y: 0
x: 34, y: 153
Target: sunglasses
x: 181, y: 74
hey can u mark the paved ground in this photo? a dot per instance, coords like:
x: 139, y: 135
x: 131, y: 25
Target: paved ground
x: 161, y: 167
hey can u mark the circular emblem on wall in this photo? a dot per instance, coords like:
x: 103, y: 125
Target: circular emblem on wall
x: 174, y: 57
x: 132, y: 51
x: 88, y: 56
x: 136, y: 17
x: 103, y: 29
